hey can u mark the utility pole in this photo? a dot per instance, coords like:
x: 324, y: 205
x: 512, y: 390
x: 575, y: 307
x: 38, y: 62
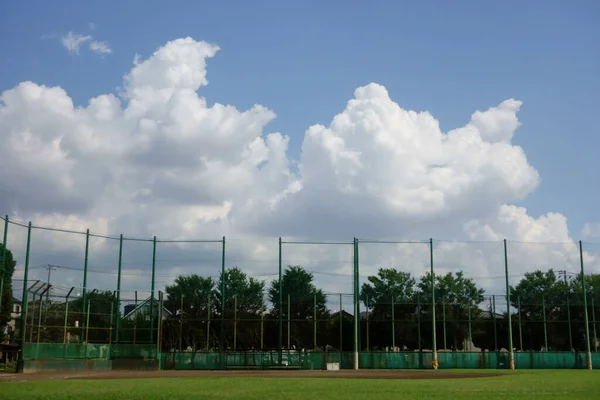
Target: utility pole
x: 50, y: 268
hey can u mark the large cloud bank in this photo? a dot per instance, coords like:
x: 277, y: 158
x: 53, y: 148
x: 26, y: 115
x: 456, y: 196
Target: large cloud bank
x: 156, y: 159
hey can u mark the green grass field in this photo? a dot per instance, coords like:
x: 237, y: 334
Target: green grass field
x: 547, y: 385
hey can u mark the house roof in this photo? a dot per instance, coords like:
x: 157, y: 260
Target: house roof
x: 142, y: 304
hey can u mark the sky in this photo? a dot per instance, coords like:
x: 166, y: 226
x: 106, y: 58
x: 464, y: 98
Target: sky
x: 323, y: 120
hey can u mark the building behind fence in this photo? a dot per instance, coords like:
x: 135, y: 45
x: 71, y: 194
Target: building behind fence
x: 73, y: 325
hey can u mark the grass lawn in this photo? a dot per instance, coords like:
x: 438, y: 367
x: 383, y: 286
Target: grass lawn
x: 547, y: 385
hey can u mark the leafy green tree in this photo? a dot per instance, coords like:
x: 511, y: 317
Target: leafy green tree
x: 243, y: 305
x: 192, y: 300
x: 455, y: 295
x: 298, y: 284
x: 388, y: 287
x: 6, y: 272
x: 540, y: 292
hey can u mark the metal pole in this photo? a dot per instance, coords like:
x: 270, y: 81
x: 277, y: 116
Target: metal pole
x: 368, y: 312
x: 50, y: 268
x: 112, y: 311
x: 87, y: 323
x: 135, y: 319
x: 33, y: 314
x: 444, y: 320
x: 494, y: 316
x: 181, y: 326
x: 520, y: 324
x: 289, y: 321
x: 594, y: 324
x: 41, y: 312
x: 24, y: 298
x: 280, y: 336
x: 234, y: 322
x: 419, y: 321
x: 222, y: 333
x: 393, y: 323
x: 262, y: 322
x: 341, y: 328
x: 3, y: 261
x: 569, y: 321
x: 159, y: 332
x: 356, y: 305
x: 434, y: 345
x: 85, y: 268
x: 66, y: 315
x: 511, y: 355
x: 545, y: 323
x: 315, y: 321
x: 587, y: 322
x: 119, y: 288
x: 152, y: 289
x: 208, y: 325
x: 470, y: 330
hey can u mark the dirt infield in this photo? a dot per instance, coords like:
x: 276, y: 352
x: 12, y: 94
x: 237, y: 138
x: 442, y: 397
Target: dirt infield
x: 346, y: 374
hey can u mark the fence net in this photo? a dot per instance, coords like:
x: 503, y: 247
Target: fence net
x: 73, y: 292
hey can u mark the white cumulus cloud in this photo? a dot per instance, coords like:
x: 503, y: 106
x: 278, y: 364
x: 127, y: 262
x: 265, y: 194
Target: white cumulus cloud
x: 73, y: 41
x: 100, y: 47
x: 157, y: 159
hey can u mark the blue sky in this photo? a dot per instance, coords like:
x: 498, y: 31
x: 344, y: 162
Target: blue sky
x: 304, y: 61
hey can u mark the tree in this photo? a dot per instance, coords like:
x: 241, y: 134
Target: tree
x: 388, y: 287
x: 297, y: 284
x: 198, y: 297
x: 243, y: 304
x: 102, y: 311
x: 540, y: 293
x: 6, y: 272
x: 456, y: 296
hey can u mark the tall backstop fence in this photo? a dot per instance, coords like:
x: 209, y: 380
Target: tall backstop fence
x: 79, y: 300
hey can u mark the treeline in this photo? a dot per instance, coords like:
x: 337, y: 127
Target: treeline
x: 396, y: 311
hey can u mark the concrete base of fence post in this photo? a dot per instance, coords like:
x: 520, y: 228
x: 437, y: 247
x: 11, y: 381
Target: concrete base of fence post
x: 511, y: 360
x: 356, y: 361
x: 435, y: 360
x: 589, y: 360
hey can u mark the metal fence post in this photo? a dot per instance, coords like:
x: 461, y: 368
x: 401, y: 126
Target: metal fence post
x: 289, y: 321
x: 85, y: 270
x: 444, y: 320
x: 118, y: 305
x: 434, y: 340
x: 594, y: 324
x: 585, y: 315
x: 25, y: 298
x: 152, y: 289
x: 159, y: 330
x: 545, y: 323
x: 66, y: 315
x: 234, y: 322
x: 222, y: 333
x: 314, y: 321
x: 495, y: 325
x: 3, y: 261
x: 208, y: 324
x: 356, y: 305
x: 393, y: 322
x: 511, y: 354
x: 520, y: 323
x: 280, y: 335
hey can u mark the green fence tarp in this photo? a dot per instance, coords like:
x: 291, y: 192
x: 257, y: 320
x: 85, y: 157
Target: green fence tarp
x: 73, y: 351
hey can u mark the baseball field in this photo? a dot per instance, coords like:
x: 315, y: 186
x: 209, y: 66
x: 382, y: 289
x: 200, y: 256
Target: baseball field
x: 306, y: 385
